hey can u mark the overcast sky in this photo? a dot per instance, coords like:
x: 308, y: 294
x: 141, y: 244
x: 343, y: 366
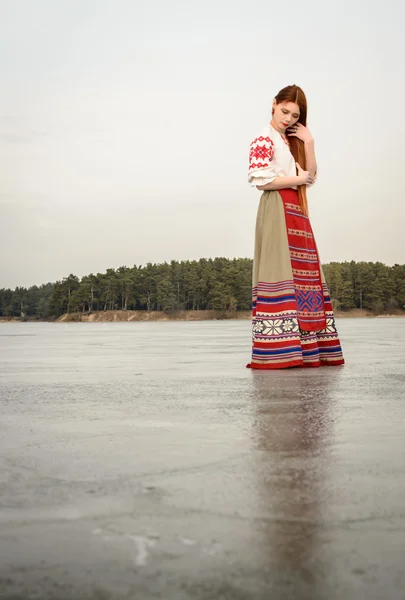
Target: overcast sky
x: 125, y: 126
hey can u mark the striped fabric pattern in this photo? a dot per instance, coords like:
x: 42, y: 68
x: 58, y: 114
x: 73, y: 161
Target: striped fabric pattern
x: 293, y: 321
x: 305, y: 265
x: 276, y: 334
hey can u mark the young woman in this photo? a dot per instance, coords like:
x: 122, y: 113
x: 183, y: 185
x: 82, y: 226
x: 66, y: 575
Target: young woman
x: 293, y: 322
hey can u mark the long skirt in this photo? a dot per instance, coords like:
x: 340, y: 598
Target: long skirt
x: 293, y: 322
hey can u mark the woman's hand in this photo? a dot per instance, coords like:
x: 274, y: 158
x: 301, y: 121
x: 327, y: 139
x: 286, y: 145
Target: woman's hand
x: 299, y: 131
x: 305, y: 176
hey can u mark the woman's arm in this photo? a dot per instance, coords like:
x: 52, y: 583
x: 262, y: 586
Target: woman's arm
x: 310, y: 156
x: 280, y: 183
x: 302, y: 133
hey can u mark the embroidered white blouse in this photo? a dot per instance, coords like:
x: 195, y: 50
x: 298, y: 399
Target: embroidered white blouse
x: 270, y: 157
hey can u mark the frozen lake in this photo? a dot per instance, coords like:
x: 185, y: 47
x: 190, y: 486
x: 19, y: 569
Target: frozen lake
x: 143, y: 461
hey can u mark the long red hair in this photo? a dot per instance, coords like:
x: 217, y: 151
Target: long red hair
x: 293, y: 93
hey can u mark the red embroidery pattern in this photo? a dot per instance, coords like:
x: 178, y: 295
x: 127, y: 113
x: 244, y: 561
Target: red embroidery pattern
x: 259, y: 152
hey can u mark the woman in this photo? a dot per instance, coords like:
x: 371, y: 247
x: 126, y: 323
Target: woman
x: 293, y: 322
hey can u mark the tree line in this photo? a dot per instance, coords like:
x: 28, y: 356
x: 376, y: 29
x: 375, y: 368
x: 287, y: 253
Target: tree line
x: 207, y: 284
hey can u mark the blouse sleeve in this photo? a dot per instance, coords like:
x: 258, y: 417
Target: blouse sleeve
x: 261, y: 168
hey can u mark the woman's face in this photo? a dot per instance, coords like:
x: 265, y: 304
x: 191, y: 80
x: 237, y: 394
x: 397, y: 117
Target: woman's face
x: 285, y: 114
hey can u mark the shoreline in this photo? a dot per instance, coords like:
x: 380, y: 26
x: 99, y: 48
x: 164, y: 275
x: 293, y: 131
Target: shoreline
x: 122, y: 316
